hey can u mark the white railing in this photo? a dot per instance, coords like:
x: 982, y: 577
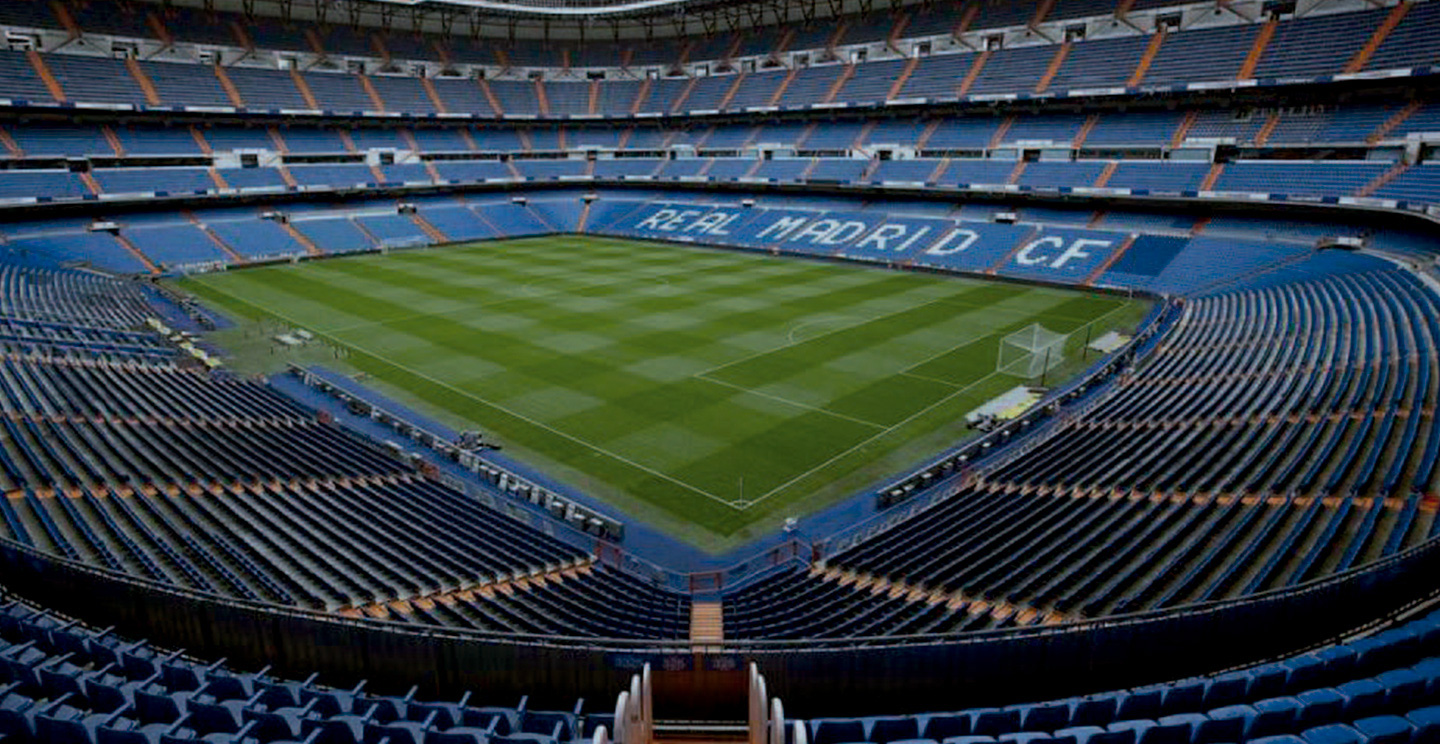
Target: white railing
x: 767, y: 716
x: 634, y: 716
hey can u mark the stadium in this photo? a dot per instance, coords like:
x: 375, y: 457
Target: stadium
x: 777, y: 371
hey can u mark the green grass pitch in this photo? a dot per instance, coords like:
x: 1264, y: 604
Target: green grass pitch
x: 712, y: 393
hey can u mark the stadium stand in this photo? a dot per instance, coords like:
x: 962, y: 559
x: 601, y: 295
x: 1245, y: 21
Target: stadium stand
x: 1264, y: 445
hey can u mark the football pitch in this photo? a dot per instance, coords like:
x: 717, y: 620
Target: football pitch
x: 711, y: 393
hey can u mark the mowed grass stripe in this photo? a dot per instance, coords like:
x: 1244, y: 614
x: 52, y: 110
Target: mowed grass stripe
x: 590, y: 358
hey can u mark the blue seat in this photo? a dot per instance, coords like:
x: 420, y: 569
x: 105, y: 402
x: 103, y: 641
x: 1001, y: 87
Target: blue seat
x: 893, y: 728
x: 1094, y: 711
x: 1229, y: 723
x: 1077, y: 734
x: 1185, y: 696
x: 1362, y: 697
x: 1167, y: 733
x: 995, y: 721
x: 1025, y: 737
x: 1302, y: 672
x: 1403, y: 687
x: 1274, y: 716
x: 1427, y: 724
x: 1319, y: 707
x: 836, y: 730
x: 1385, y: 729
x: 449, y: 715
x: 1340, y: 660
x: 1334, y: 733
x: 1225, y: 689
x: 1148, y: 703
x: 1280, y: 739
x: 126, y: 731
x: 1190, y: 721
x: 398, y: 732
x: 1429, y: 669
x: 1265, y: 681
x: 457, y: 735
x: 969, y: 739
x: 945, y: 726
x: 1047, y: 716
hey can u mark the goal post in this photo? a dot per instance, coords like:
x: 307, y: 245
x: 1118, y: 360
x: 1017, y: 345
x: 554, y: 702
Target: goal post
x: 1031, y: 352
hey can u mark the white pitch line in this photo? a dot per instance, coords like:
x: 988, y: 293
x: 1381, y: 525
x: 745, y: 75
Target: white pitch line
x: 912, y: 417
x: 789, y: 402
x: 527, y: 295
x: 841, y: 329
x: 478, y: 399
x: 872, y: 438
x: 936, y: 380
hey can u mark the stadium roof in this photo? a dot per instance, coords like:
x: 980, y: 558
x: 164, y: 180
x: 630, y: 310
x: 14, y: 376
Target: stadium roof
x: 551, y: 19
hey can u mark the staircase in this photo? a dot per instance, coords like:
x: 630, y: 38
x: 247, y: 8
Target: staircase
x: 200, y: 140
x: 313, y: 39
x: 231, y: 91
x: 1183, y: 131
x: 897, y: 31
x: 279, y: 141
x: 730, y: 93
x: 966, y: 20
x: 899, y: 84
x: 541, y: 98
x: 1379, y: 181
x: 707, y: 623
x: 147, y: 86
x: 1085, y: 130
x: 1212, y: 177
x: 434, y: 95
x: 839, y: 83
x: 974, y: 72
x: 1143, y: 67
x: 137, y: 253
x: 431, y: 232
x: 1267, y: 129
x: 299, y: 237
x: 113, y: 139
x: 640, y: 96
x: 1056, y: 62
x: 1109, y: 261
x: 1362, y: 57
x: 490, y: 97
x: 1016, y: 173
x: 1000, y: 132
x: 43, y: 71
x: 377, y: 42
x: 66, y: 20
x: 88, y: 179
x: 592, y: 106
x: 304, y: 89
x: 684, y: 94
x: 369, y: 86
x: 1257, y: 50
x: 1106, y: 174
x: 784, y: 84
x: 1041, y: 12
x: 11, y: 146
x: 928, y: 132
x: 229, y: 252
x: 584, y: 212
x: 1394, y: 121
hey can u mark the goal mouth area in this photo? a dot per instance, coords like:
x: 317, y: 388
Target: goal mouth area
x: 1031, y: 352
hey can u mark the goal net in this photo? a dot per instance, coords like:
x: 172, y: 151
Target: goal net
x: 1031, y: 351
